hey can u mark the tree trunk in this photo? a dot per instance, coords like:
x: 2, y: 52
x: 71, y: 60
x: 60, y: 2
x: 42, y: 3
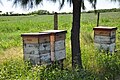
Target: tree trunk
x: 75, y: 35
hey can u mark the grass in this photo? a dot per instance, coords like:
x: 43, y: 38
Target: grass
x: 96, y: 66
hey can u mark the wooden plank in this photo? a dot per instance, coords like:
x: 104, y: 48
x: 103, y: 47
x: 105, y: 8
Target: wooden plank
x: 102, y: 33
x: 60, y: 36
x: 104, y: 28
x: 34, y: 59
x: 112, y: 47
x: 52, y: 44
x: 59, y: 44
x: 33, y: 34
x: 104, y: 39
x: 31, y: 49
x: 45, y: 58
x: 55, y: 21
x: 102, y: 46
x: 27, y: 57
x: 44, y: 48
x: 113, y: 33
x: 61, y: 54
x: 30, y: 39
x: 106, y: 47
x: 55, y: 31
x: 43, y: 39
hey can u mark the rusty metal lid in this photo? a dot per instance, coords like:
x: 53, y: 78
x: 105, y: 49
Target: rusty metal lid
x: 104, y: 28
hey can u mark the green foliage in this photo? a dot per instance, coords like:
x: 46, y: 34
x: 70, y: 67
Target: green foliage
x: 17, y: 69
x: 105, y: 10
x: 97, y: 66
x: 39, y: 12
x: 109, y: 66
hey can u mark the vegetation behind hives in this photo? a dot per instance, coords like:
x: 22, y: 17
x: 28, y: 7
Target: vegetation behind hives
x: 96, y: 66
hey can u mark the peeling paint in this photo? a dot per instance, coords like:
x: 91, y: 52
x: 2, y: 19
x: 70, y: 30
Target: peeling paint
x: 105, y: 38
x: 59, y: 44
x: 43, y: 48
x: 60, y: 54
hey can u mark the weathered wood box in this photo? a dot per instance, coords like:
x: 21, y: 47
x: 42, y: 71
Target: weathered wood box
x: 104, y: 38
x: 44, y: 47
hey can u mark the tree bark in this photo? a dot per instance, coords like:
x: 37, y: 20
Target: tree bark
x: 75, y: 35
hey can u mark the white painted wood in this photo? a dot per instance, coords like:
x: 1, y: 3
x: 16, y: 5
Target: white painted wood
x: 34, y: 59
x: 104, y: 27
x: 44, y: 47
x: 59, y: 45
x: 113, y: 33
x: 104, y: 39
x: 106, y: 47
x: 60, y: 54
x: 45, y: 58
x: 26, y: 57
x: 31, y: 49
x: 112, y: 47
x: 102, y: 46
x: 38, y: 59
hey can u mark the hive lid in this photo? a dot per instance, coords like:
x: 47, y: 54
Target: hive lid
x: 34, y: 34
x: 54, y: 31
x: 47, y: 32
x: 104, y: 28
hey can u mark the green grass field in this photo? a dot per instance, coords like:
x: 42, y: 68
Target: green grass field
x: 96, y: 66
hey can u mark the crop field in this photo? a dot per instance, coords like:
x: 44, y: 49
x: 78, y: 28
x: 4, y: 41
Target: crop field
x: 97, y: 65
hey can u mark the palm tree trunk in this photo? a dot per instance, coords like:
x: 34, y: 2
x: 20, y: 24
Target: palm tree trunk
x: 75, y: 35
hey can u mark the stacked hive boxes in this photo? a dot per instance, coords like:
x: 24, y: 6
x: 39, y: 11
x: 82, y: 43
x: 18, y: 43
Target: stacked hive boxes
x: 104, y: 38
x: 57, y: 44
x: 44, y: 47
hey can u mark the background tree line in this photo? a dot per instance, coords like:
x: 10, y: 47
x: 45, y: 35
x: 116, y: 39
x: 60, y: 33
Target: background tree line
x: 45, y: 12
x: 105, y: 10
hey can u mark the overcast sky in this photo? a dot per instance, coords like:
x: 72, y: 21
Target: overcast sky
x: 101, y: 4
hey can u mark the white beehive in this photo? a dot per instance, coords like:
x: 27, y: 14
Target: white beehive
x: 57, y: 40
x: 104, y: 38
x: 44, y: 47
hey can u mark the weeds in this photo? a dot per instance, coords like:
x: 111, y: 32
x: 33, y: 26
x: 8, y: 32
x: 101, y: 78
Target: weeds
x: 96, y: 66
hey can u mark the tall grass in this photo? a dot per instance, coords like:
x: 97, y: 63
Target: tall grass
x: 97, y: 65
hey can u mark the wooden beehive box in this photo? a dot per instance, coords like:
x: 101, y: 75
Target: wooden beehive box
x: 36, y: 48
x: 57, y: 40
x: 44, y: 47
x: 105, y: 37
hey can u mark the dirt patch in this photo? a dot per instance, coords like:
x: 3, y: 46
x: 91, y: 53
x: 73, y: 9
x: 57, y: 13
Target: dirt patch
x: 15, y: 52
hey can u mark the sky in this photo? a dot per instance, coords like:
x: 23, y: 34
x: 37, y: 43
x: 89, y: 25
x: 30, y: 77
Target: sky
x: 49, y: 6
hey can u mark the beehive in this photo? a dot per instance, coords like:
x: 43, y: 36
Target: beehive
x: 57, y: 40
x: 44, y: 47
x: 104, y: 38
